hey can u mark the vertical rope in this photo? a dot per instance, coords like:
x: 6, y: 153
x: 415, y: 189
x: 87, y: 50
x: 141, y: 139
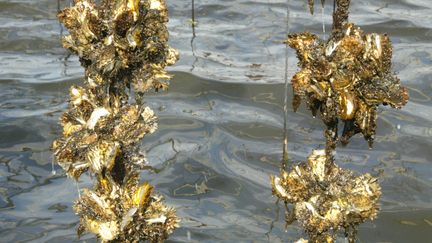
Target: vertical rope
x: 193, y: 24
x: 193, y: 14
x: 285, y: 140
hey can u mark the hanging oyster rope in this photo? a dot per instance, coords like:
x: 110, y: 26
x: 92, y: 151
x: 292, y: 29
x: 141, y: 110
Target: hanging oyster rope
x: 344, y: 78
x: 122, y: 45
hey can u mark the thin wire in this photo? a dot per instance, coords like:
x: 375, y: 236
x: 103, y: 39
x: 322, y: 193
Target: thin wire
x: 285, y: 141
x: 273, y: 221
x: 193, y: 23
x: 323, y: 22
x: 193, y: 11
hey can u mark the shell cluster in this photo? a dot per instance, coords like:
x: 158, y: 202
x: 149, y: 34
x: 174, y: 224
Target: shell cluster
x: 98, y: 129
x: 326, y: 197
x: 122, y: 44
x: 126, y: 213
x: 344, y: 78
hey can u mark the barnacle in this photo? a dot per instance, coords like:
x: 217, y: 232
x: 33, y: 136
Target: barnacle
x: 346, y: 78
x: 123, y: 46
x: 326, y: 197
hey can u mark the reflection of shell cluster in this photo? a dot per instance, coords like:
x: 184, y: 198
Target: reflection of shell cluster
x: 346, y: 78
x: 326, y: 197
x: 122, y: 45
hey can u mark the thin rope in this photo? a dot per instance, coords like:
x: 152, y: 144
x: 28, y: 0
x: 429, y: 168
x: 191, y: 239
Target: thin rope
x: 285, y: 140
x: 193, y: 36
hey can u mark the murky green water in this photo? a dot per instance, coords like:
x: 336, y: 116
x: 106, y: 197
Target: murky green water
x: 220, y: 124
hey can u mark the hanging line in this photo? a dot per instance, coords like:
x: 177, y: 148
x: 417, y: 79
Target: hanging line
x: 192, y: 44
x: 285, y: 107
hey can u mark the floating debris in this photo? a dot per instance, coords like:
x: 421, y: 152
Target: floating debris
x: 123, y: 46
x: 326, y: 198
x: 346, y: 78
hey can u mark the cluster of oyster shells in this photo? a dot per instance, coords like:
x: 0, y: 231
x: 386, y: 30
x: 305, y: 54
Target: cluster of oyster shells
x: 97, y: 129
x: 126, y: 213
x: 326, y: 197
x: 122, y: 44
x: 346, y: 78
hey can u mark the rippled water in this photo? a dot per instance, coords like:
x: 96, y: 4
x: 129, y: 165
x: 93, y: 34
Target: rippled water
x: 220, y: 124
